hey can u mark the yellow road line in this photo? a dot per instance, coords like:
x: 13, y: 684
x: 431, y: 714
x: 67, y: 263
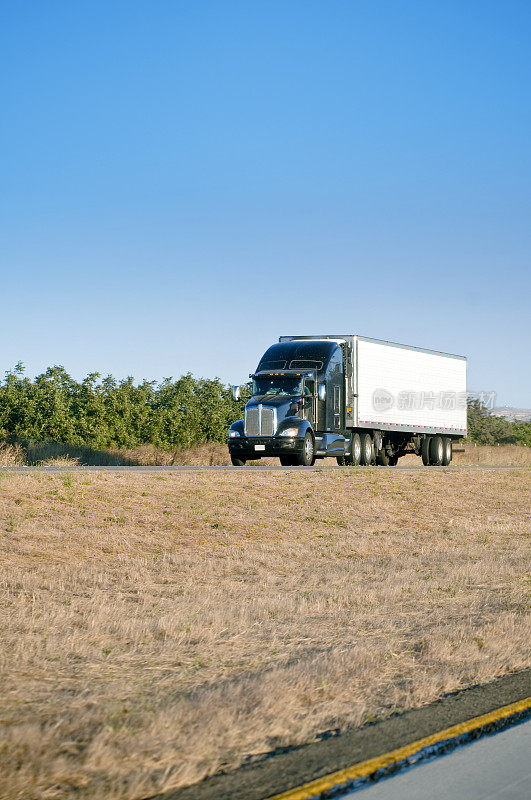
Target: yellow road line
x: 365, y: 768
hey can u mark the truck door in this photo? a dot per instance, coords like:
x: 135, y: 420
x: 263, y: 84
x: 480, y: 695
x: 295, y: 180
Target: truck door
x: 334, y: 392
x: 337, y: 407
x: 308, y: 399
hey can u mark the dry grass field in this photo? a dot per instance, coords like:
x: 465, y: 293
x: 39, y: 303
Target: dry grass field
x: 513, y: 454
x: 215, y: 454
x: 57, y: 454
x: 158, y: 628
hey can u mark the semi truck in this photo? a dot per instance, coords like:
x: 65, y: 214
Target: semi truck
x: 356, y: 399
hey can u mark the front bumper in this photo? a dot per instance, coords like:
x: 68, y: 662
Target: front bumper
x: 246, y: 447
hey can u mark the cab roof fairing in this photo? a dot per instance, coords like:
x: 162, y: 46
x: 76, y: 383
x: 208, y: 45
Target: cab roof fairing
x: 336, y: 339
x: 281, y: 354
x: 288, y: 373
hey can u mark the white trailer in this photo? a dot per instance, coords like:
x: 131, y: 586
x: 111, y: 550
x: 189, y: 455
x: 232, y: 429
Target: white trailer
x: 400, y: 388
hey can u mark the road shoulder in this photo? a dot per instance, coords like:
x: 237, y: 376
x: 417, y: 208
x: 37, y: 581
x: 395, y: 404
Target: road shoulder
x: 297, y: 766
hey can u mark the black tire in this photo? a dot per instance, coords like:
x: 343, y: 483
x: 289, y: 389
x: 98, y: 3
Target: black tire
x: 355, y: 450
x: 447, y: 450
x: 307, y: 455
x: 237, y: 462
x: 288, y: 461
x: 426, y: 446
x: 393, y: 461
x: 352, y: 458
x: 382, y: 458
x: 367, y: 450
x: 436, y: 451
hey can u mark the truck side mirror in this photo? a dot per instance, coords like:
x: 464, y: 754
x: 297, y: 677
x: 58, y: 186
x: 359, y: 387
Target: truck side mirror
x: 321, y: 392
x: 235, y: 392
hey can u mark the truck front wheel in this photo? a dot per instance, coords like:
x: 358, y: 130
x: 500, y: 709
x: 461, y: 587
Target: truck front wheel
x: 237, y: 462
x: 307, y: 455
x: 288, y: 461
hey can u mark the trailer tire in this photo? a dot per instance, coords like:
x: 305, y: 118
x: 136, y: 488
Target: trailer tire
x: 307, y: 455
x: 436, y: 451
x: 447, y: 450
x: 367, y: 449
x: 426, y: 447
x: 237, y: 462
x: 382, y: 458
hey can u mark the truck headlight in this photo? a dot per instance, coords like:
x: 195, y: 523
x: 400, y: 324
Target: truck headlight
x: 289, y: 432
x: 233, y: 434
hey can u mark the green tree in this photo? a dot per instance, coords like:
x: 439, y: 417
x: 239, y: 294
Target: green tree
x: 105, y: 412
x: 484, y: 428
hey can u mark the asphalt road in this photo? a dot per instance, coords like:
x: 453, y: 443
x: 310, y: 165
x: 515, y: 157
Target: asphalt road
x: 496, y: 767
x: 243, y: 470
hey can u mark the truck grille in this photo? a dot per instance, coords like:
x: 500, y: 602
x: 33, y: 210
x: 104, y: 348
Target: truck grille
x: 252, y: 421
x: 260, y: 421
x: 269, y: 421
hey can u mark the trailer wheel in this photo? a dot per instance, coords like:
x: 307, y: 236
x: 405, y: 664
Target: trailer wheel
x: 436, y: 451
x: 426, y: 442
x: 307, y: 455
x: 237, y: 462
x: 382, y: 458
x: 447, y: 450
x: 367, y: 449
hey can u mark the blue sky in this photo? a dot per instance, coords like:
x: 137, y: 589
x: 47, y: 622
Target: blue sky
x: 181, y: 183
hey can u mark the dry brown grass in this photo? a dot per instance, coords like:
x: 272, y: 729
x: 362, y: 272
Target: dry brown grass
x: 213, y: 454
x: 508, y: 454
x: 158, y: 628
x: 57, y: 454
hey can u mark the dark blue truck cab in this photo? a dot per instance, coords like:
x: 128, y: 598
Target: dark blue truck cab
x: 295, y: 411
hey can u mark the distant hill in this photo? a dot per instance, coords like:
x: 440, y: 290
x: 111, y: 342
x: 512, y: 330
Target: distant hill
x: 512, y: 414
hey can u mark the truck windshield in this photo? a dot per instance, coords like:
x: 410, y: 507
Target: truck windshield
x: 277, y: 386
